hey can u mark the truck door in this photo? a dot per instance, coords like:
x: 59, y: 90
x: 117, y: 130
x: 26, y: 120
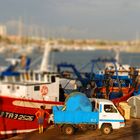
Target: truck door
x: 109, y: 113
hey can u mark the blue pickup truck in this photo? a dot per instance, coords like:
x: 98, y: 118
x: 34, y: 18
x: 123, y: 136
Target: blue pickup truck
x: 80, y: 112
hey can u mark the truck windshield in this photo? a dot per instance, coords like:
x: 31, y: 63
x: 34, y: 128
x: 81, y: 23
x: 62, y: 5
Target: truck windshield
x: 110, y: 109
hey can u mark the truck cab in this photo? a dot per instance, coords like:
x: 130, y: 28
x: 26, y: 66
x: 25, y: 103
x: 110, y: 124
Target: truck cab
x: 109, y: 116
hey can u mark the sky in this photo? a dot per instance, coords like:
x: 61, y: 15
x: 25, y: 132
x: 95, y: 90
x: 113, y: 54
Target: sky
x: 74, y: 19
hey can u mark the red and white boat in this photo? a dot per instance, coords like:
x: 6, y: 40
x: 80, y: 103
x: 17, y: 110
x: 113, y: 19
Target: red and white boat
x: 22, y: 94
x: 20, y: 98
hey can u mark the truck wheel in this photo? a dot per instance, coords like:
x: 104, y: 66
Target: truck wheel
x: 106, y: 129
x: 68, y: 129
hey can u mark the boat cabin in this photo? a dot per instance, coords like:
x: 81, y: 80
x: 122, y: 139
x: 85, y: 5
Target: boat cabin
x: 34, y: 86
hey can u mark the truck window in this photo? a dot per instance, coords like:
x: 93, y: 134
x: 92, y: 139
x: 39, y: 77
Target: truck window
x: 97, y: 106
x: 93, y: 105
x: 109, y: 109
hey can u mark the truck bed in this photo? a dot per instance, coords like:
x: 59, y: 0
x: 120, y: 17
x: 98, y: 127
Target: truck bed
x: 74, y: 117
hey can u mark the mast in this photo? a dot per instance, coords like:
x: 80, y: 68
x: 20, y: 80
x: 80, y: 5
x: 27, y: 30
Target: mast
x: 45, y: 60
x: 20, y: 29
x: 117, y: 56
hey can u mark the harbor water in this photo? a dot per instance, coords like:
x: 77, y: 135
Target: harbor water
x: 79, y: 58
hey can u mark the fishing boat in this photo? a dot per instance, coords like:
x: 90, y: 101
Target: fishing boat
x: 115, y: 82
x: 20, y: 98
x: 22, y: 92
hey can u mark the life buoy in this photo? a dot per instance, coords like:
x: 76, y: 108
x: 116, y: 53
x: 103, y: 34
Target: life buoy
x: 44, y: 90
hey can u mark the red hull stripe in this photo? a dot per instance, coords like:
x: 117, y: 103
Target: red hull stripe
x: 16, y: 131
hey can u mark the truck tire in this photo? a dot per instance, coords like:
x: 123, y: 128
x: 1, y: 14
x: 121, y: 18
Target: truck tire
x: 106, y: 129
x: 68, y: 129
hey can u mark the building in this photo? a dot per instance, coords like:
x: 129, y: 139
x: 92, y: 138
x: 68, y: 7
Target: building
x: 3, y: 30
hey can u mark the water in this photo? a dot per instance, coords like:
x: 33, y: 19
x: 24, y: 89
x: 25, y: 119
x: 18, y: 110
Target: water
x: 79, y: 58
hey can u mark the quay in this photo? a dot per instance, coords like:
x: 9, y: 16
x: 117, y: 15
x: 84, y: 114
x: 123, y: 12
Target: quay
x: 131, y: 131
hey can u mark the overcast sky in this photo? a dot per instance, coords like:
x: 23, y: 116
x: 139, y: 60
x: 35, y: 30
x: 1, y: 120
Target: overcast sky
x: 86, y: 19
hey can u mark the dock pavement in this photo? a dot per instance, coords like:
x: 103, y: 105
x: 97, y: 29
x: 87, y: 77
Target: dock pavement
x: 130, y: 132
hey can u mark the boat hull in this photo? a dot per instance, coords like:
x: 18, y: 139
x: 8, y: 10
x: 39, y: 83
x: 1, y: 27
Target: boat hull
x: 18, y: 115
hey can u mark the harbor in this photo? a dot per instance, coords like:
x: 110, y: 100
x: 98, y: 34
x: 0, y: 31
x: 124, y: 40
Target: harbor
x: 69, y: 70
x: 23, y: 91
